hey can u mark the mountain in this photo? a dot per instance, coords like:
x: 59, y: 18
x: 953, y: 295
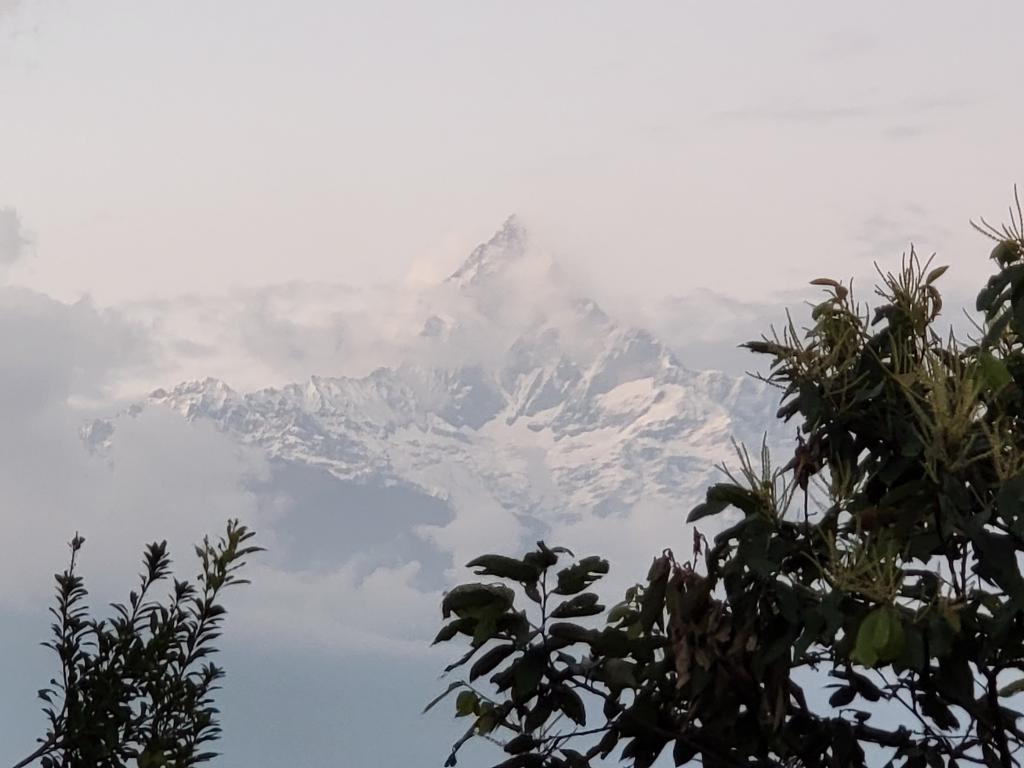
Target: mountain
x: 508, y: 246
x: 567, y: 415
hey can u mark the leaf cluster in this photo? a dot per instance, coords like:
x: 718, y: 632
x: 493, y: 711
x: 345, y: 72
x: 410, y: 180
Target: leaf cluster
x: 883, y: 559
x: 138, y: 687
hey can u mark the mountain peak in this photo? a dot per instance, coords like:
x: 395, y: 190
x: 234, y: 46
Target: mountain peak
x: 507, y: 245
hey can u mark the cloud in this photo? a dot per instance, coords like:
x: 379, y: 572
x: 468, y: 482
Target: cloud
x: 347, y: 568
x: 889, y: 232
x: 167, y: 479
x: 274, y: 335
x: 906, y: 131
x: 705, y: 327
x: 846, y: 44
x: 255, y: 337
x: 14, y: 241
x: 382, y: 611
x: 831, y: 113
x: 9, y: 8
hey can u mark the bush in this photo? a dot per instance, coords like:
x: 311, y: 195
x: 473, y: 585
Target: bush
x: 882, y: 560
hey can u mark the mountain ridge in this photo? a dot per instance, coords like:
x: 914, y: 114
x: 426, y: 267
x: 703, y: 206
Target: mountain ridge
x: 579, y: 415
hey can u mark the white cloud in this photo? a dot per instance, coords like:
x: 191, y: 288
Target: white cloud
x: 273, y: 335
x: 162, y: 478
x: 168, y: 479
x: 382, y: 611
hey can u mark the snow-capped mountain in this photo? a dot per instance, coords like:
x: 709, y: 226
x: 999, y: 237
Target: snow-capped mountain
x: 578, y: 415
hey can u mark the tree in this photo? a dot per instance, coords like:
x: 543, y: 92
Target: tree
x: 138, y: 688
x: 881, y: 565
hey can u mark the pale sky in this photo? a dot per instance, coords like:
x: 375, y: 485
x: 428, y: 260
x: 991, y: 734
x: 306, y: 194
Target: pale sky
x: 163, y: 147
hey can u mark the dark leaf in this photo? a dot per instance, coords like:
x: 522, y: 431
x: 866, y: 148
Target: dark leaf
x: 582, y: 605
x: 505, y: 568
x: 490, y: 660
x: 469, y: 600
x: 580, y: 575
x: 524, y: 742
x: 842, y: 696
x: 571, y: 704
x: 466, y: 703
x: 706, y: 509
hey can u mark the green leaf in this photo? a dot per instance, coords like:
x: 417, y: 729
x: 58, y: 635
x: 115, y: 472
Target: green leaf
x: 683, y: 752
x: 997, y: 561
x: 574, y: 633
x: 608, y: 742
x: 652, y: 604
x: 452, y: 628
x: 490, y: 660
x: 1005, y: 252
x: 996, y: 328
x: 581, y: 575
x: 705, y: 509
x: 935, y: 274
x: 486, y: 627
x: 812, y: 629
x: 504, y: 567
x: 764, y: 347
x: 540, y: 713
x: 912, y: 656
x: 731, y: 493
x: 722, y: 495
x: 466, y: 703
x: 881, y: 629
x: 842, y: 696
x: 571, y: 704
x: 826, y: 282
x: 880, y: 638
x: 524, y: 742
x: 477, y: 600
x: 487, y: 722
x: 525, y: 760
x: 619, y: 674
x: 527, y: 673
x: 955, y: 681
x: 932, y: 706
x: 623, y: 612
x: 865, y: 650
x: 893, y: 647
x: 994, y: 371
x: 869, y: 394
x: 442, y: 695
x: 611, y: 642
x: 582, y: 605
x: 864, y: 687
x: 1012, y: 689
x: 545, y: 556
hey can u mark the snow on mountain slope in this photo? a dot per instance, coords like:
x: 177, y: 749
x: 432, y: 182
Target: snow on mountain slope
x: 508, y: 246
x: 567, y: 416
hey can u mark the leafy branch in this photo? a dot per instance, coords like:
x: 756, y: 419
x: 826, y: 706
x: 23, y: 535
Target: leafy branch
x: 138, y: 686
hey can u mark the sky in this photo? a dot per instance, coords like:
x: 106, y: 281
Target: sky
x: 264, y: 190
x: 161, y: 148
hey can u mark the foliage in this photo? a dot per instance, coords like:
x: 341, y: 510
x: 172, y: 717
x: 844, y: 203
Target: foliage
x: 882, y: 560
x: 138, y: 688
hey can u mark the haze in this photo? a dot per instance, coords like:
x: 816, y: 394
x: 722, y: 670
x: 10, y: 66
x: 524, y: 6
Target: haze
x: 166, y: 147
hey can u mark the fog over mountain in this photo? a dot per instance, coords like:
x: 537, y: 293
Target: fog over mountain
x: 540, y: 416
